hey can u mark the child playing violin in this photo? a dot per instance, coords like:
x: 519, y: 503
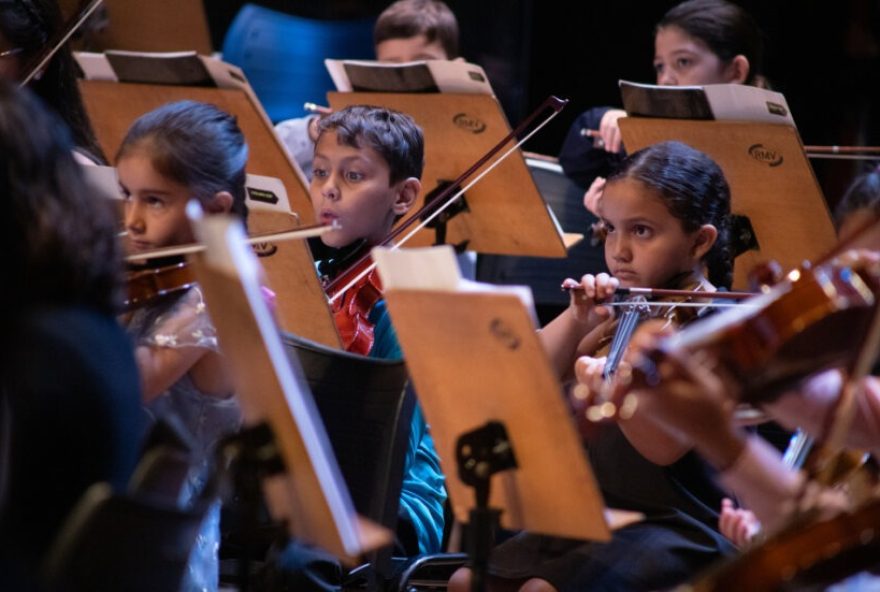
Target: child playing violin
x: 666, y: 216
x: 178, y: 152
x: 750, y: 468
x: 367, y: 168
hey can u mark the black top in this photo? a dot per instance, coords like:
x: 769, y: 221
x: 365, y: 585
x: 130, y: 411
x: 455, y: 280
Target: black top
x: 70, y: 412
x: 580, y: 159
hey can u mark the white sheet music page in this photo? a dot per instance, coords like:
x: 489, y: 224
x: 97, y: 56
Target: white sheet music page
x: 436, y: 268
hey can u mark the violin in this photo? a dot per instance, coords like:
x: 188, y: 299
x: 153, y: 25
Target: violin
x: 351, y: 309
x: 146, y: 285
x: 168, y: 273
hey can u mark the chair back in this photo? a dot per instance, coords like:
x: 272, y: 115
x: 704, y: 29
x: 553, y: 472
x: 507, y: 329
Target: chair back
x: 366, y: 410
x: 127, y: 542
x: 283, y: 55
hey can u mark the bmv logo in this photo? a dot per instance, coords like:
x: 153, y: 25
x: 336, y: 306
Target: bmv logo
x: 768, y: 156
x: 468, y: 123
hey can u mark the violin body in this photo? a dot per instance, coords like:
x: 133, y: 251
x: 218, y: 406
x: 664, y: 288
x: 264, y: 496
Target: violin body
x: 351, y: 313
x: 808, y: 554
x: 811, y: 322
x: 146, y: 285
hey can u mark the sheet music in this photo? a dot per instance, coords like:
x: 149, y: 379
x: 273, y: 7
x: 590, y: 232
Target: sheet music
x: 436, y: 268
x: 182, y: 68
x: 722, y: 102
x: 427, y: 76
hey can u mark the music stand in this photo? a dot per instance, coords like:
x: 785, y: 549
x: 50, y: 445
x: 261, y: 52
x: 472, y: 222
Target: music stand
x: 504, y: 213
x: 113, y: 107
x: 310, y: 494
x: 146, y: 26
x: 771, y: 182
x: 493, y: 401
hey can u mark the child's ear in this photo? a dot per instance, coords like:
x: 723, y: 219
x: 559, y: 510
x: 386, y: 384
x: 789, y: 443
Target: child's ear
x: 737, y: 70
x: 406, y: 196
x: 704, y: 240
x: 221, y: 203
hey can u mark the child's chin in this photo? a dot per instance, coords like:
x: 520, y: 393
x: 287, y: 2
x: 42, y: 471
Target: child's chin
x: 335, y: 242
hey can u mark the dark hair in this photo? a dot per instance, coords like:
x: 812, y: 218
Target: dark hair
x: 30, y: 25
x: 408, y: 18
x: 862, y: 194
x: 194, y: 144
x: 394, y: 135
x: 60, y: 232
x: 725, y: 28
x: 695, y: 192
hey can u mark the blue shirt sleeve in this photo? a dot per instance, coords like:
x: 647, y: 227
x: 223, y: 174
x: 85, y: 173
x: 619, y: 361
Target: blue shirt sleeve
x: 423, y: 494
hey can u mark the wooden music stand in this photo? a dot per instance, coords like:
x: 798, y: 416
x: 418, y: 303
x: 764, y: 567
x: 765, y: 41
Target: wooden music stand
x: 310, y: 494
x: 113, y: 107
x: 506, y: 214
x: 493, y: 368
x: 147, y: 26
x: 771, y: 183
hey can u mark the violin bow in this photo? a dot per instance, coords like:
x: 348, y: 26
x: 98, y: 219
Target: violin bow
x: 39, y: 61
x: 284, y: 235
x: 555, y: 104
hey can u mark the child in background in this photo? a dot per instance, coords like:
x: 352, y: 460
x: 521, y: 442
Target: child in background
x: 406, y: 31
x: 666, y: 214
x: 696, y: 42
x: 178, y: 152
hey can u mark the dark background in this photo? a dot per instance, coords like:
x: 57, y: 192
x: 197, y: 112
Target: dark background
x: 822, y: 55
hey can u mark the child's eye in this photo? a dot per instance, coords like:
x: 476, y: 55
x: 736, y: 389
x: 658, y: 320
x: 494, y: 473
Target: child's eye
x: 683, y: 62
x: 126, y: 194
x: 154, y: 202
x: 658, y: 68
x: 609, y: 227
x: 354, y: 176
x: 641, y: 230
x: 319, y: 173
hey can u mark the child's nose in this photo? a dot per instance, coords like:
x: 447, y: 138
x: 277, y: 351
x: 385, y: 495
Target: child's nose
x: 621, y: 251
x: 134, y: 220
x: 666, y: 78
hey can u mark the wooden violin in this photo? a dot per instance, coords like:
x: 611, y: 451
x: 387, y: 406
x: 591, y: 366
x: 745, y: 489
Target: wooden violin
x: 146, y: 285
x: 168, y: 273
x: 808, y: 553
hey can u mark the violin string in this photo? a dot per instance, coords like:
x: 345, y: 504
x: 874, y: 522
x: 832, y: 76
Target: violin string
x: 688, y: 304
x: 445, y: 205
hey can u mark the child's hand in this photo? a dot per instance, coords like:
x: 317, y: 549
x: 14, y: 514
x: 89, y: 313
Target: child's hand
x: 590, y: 384
x: 593, y: 195
x: 588, y: 297
x: 739, y: 525
x: 609, y: 130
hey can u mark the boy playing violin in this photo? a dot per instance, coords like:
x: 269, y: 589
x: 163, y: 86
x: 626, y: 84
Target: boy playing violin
x: 367, y: 167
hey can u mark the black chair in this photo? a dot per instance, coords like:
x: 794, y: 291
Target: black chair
x: 123, y: 541
x: 366, y: 409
